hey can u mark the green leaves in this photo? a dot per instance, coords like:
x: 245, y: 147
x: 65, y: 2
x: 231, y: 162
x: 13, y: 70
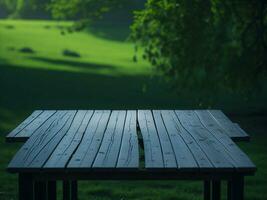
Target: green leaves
x: 198, y: 44
x: 81, y: 9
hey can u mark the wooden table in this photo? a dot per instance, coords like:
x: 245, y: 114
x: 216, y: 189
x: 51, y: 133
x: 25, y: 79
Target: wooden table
x: 106, y: 145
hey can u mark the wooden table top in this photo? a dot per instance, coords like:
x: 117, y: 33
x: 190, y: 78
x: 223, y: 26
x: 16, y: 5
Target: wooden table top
x: 212, y: 118
x: 115, y: 140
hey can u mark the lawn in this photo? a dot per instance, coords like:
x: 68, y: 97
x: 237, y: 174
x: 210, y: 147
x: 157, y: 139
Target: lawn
x: 99, y: 72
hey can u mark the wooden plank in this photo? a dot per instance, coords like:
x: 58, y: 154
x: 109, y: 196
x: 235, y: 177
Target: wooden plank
x: 51, y: 190
x: 129, y: 151
x: 74, y: 190
x: 210, y: 122
x: 240, y: 158
x: 30, y: 130
x: 107, y: 155
x: 40, y: 191
x: 66, y: 190
x: 36, y: 150
x: 227, y: 124
x: 207, y: 190
x: 88, y: 148
x: 26, y: 187
x: 167, y: 148
x: 242, y: 131
x: 70, y: 141
x: 153, y: 152
x: 107, y: 140
x: 70, y: 125
x: 216, y: 190
x: 25, y: 123
x: 214, y: 150
x: 32, y: 143
x: 237, y: 188
x: 188, y: 153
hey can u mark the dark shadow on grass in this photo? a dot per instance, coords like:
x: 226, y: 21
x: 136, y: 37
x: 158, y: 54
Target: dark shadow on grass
x: 72, y: 63
x: 70, y: 53
x: 30, y: 89
x: 3, y: 61
x: 9, y: 27
x: 27, y: 50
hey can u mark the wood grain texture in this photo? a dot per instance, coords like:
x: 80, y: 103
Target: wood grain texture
x: 32, y: 127
x: 188, y: 152
x: 107, y: 155
x: 89, y: 146
x: 95, y: 141
x: 226, y: 123
x: 23, y: 132
x: 152, y: 147
x: 25, y: 123
x: 35, y: 151
x: 63, y: 152
x: 241, y: 160
x: 129, y: 152
x: 214, y: 150
x: 169, y: 158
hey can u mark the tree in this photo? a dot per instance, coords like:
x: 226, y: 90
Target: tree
x: 205, y: 43
x: 8, y: 6
x: 25, y: 8
x: 84, y: 11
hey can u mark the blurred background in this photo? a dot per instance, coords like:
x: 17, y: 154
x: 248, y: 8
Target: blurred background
x: 135, y: 54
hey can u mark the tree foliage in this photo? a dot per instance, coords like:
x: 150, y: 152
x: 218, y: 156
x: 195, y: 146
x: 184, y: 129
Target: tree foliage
x: 10, y: 6
x: 26, y: 8
x: 81, y: 10
x: 205, y: 43
x: 84, y: 11
x: 196, y: 43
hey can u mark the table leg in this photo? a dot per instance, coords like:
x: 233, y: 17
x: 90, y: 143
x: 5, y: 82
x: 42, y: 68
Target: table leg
x: 52, y: 190
x: 25, y: 187
x: 74, y: 188
x: 66, y: 190
x: 70, y: 190
x: 206, y: 190
x: 216, y: 190
x: 237, y: 188
x: 229, y: 190
x: 40, y: 190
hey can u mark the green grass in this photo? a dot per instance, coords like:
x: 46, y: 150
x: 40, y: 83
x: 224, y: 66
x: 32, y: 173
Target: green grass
x: 104, y: 76
x: 97, y: 54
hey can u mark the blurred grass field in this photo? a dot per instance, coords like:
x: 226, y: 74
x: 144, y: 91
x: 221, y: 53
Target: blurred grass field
x: 48, y: 40
x: 35, y: 74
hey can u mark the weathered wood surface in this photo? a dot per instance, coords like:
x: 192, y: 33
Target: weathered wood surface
x: 129, y: 152
x: 85, y: 140
x: 195, y: 158
x: 85, y: 154
x: 220, y: 149
x: 212, y: 118
x: 29, y: 126
x: 231, y: 129
x: 152, y: 147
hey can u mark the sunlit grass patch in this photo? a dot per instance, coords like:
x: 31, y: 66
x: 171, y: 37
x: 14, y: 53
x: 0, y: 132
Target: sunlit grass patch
x: 45, y: 39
